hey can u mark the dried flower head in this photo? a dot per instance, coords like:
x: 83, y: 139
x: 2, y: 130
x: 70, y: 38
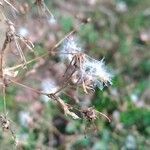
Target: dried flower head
x: 89, y: 73
x: 98, y: 72
x: 5, y: 123
x: 92, y: 73
x: 92, y: 114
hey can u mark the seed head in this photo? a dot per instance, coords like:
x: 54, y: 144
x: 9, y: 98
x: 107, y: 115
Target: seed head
x: 95, y: 73
x: 70, y: 47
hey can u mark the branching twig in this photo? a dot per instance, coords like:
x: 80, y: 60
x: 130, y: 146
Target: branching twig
x: 46, y: 54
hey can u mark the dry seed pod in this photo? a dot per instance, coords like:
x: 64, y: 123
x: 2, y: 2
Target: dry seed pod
x: 5, y: 123
x: 91, y: 114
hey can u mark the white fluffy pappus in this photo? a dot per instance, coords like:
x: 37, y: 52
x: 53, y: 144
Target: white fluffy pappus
x: 97, y: 72
x: 48, y: 85
x: 69, y: 48
x: 90, y: 73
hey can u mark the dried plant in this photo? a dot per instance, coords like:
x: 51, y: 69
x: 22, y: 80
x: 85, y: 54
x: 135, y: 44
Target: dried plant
x: 82, y: 70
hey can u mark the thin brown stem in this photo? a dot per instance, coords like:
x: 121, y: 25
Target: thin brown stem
x: 47, y: 53
x: 104, y: 116
x: 25, y: 86
x: 4, y: 99
x: 23, y: 59
x: 11, y: 5
x: 2, y: 56
x: 69, y: 66
x: 58, y: 44
x: 2, y: 53
x: 66, y: 83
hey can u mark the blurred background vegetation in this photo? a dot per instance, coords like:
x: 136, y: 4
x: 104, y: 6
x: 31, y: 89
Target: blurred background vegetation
x: 119, y: 32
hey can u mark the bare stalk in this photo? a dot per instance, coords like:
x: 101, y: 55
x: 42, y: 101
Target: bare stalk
x: 11, y: 5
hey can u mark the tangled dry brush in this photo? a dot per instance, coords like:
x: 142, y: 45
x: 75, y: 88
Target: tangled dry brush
x: 83, y: 73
